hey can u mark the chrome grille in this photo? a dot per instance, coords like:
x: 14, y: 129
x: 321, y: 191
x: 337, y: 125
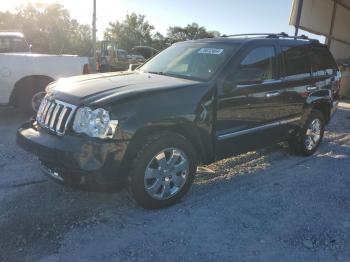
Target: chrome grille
x: 55, y: 115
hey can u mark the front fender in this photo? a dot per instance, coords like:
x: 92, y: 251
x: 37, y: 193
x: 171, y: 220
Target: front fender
x: 187, y: 111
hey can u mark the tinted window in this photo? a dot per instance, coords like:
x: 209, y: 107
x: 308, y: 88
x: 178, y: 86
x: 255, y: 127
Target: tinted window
x: 322, y: 62
x: 260, y: 59
x: 297, y: 61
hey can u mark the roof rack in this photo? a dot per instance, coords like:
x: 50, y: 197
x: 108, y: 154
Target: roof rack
x: 274, y: 35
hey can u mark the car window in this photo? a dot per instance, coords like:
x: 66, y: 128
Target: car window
x: 19, y: 45
x: 297, y: 62
x: 121, y: 54
x: 322, y: 62
x: 5, y: 45
x: 13, y: 45
x: 262, y: 58
x: 197, y: 61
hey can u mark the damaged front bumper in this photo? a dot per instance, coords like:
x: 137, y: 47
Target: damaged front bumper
x: 74, y: 157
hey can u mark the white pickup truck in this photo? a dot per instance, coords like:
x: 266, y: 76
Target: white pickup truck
x: 24, y: 76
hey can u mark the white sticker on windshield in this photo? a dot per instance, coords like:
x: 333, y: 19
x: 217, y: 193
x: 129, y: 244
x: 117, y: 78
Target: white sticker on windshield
x: 211, y: 51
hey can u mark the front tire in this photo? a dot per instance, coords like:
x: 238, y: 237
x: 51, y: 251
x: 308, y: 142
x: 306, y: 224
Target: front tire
x: 163, y: 171
x: 308, y: 139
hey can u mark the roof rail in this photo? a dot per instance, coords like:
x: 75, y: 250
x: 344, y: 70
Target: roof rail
x: 247, y: 35
x: 274, y: 35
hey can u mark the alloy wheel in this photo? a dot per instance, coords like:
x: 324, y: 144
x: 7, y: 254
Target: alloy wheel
x: 166, y: 173
x: 313, y: 134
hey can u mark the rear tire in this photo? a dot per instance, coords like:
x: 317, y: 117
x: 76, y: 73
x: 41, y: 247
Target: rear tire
x: 163, y: 171
x: 306, y: 140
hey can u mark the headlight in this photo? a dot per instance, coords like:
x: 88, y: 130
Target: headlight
x: 94, y: 123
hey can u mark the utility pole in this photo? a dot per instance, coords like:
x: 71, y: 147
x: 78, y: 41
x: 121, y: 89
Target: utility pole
x: 94, y: 30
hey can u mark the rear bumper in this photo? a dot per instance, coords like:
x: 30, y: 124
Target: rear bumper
x: 73, y: 155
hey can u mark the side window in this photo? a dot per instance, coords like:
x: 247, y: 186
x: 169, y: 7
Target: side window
x: 322, y: 62
x: 297, y: 62
x: 257, y: 66
x: 5, y: 45
x: 19, y: 45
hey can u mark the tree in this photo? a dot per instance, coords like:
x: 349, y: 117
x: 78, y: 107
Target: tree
x: 49, y: 28
x: 133, y: 31
x: 160, y: 42
x: 189, y: 32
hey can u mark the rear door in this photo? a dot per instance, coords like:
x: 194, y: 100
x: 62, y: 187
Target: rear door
x: 248, y: 104
x: 297, y: 78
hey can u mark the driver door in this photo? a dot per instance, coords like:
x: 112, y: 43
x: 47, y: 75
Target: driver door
x: 249, y: 102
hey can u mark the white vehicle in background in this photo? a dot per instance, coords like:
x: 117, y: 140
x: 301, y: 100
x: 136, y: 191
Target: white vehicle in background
x: 24, y: 75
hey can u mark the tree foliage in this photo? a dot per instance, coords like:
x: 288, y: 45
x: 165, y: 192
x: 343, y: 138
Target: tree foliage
x: 133, y: 31
x: 189, y: 32
x: 49, y: 28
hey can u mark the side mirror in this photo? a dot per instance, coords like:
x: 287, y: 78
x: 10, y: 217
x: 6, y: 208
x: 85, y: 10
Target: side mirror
x: 132, y: 67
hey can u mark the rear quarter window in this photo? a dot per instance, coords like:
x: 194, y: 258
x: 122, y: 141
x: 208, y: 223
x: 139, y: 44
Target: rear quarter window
x: 322, y: 62
x: 297, y: 62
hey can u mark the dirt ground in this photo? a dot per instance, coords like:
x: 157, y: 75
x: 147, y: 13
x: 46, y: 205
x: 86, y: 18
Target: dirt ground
x: 261, y: 206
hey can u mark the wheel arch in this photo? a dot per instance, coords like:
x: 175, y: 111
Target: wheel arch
x: 322, y: 101
x: 324, y: 106
x: 189, y: 131
x: 27, y: 82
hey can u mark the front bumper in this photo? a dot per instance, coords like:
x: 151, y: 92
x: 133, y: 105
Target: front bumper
x: 73, y: 155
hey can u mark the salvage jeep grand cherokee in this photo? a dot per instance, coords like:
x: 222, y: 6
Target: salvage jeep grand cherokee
x: 194, y: 103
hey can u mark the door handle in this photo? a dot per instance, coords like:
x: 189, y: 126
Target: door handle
x: 311, y: 88
x: 273, y: 94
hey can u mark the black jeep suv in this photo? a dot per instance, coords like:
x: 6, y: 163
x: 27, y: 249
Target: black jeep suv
x: 196, y: 102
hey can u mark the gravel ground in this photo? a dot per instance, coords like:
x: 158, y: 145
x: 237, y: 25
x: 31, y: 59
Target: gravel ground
x: 260, y: 206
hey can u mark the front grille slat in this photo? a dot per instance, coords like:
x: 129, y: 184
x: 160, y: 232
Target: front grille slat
x: 47, y: 105
x: 41, y: 109
x: 55, y: 115
x: 60, y: 119
x: 48, y: 116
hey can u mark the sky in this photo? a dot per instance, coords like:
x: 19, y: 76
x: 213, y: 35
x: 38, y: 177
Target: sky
x: 225, y: 16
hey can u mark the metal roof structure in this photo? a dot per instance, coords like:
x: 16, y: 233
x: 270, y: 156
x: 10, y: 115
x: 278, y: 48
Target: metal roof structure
x: 330, y: 18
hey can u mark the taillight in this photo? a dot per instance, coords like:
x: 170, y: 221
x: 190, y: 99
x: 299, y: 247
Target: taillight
x: 86, y: 69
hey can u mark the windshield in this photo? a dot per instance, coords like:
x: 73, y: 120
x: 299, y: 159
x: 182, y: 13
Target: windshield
x: 13, y: 45
x: 197, y: 61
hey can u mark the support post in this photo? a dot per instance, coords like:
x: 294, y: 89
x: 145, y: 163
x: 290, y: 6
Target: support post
x: 297, y: 24
x: 330, y: 38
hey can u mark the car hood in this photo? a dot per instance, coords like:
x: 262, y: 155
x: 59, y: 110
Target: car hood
x: 107, y: 87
